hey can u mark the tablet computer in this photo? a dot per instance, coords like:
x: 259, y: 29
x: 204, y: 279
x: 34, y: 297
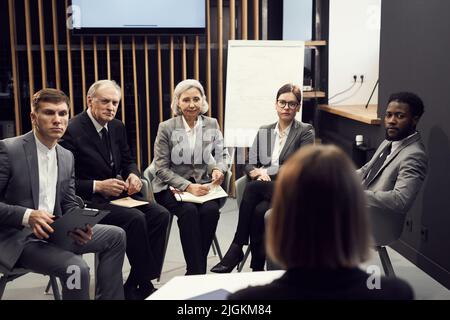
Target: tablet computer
x: 75, y: 219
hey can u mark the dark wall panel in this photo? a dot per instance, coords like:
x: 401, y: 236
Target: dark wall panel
x: 414, y: 56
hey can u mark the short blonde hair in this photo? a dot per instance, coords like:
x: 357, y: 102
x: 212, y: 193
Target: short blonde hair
x: 184, y: 86
x: 319, y: 217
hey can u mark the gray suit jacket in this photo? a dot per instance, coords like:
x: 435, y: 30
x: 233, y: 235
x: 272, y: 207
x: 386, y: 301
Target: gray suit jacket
x: 174, y: 160
x: 396, y: 184
x: 19, y: 190
x: 260, y: 153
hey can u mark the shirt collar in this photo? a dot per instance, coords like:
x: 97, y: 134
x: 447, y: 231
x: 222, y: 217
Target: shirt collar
x: 285, y: 132
x: 396, y: 144
x: 186, y: 125
x: 42, y: 147
x: 97, y: 125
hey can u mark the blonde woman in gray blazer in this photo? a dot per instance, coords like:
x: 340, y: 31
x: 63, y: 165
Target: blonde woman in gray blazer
x: 186, y: 147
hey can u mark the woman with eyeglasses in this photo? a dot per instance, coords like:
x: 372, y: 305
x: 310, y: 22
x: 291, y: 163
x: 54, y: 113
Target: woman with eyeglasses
x: 272, y: 146
x: 189, y: 155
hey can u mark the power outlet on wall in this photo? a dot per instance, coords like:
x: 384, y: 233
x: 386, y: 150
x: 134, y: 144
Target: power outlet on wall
x: 357, y: 78
x: 424, y: 234
x: 408, y: 224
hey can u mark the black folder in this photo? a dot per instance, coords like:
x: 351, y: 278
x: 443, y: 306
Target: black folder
x: 75, y: 219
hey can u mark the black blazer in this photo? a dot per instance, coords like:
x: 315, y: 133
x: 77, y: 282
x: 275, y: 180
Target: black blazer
x: 91, y: 158
x: 260, y: 153
x: 340, y: 284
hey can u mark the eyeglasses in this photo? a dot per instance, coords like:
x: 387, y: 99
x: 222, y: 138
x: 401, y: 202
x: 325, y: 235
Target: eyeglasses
x: 290, y: 104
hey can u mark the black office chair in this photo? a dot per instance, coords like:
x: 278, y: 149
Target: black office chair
x: 387, y: 227
x: 147, y: 190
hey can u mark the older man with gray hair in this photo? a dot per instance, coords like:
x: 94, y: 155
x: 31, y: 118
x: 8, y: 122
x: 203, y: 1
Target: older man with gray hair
x: 105, y: 170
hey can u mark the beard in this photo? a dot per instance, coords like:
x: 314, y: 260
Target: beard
x: 400, y: 134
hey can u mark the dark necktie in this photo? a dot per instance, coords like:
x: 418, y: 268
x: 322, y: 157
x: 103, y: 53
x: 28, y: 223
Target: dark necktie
x: 107, y: 143
x: 377, y: 164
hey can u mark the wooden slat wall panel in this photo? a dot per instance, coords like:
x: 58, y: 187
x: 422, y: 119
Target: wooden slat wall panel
x: 244, y: 23
x: 172, y: 69
x: 136, y: 103
x: 42, y: 44
x: 208, y: 54
x: 183, y: 60
x: 147, y: 101
x: 55, y: 44
x: 197, y: 59
x: 255, y: 19
x: 220, y: 62
x: 95, y: 59
x: 160, y: 92
x: 69, y: 65
x: 189, y: 50
x: 83, y: 73
x: 29, y: 52
x: 108, y: 57
x: 15, y: 66
x: 122, y: 79
x: 232, y: 34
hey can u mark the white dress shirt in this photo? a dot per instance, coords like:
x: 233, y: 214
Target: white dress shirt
x: 191, y: 132
x: 48, y: 177
x: 280, y: 141
x: 396, y: 144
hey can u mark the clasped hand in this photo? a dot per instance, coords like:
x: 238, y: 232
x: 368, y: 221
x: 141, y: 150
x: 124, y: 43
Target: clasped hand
x: 115, y: 187
x: 40, y: 223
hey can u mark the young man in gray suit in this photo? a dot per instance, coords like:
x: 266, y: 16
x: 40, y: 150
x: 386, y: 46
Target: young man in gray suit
x: 393, y: 177
x: 37, y: 185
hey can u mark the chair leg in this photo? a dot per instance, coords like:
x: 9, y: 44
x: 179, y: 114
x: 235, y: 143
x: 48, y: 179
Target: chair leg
x: 241, y: 265
x: 3, y: 281
x: 55, y: 288
x: 386, y: 262
x: 216, y: 244
x: 47, y: 289
x: 166, y: 243
x: 214, y: 249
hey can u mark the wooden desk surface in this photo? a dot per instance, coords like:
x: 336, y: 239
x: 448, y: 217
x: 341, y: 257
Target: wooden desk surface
x: 354, y: 112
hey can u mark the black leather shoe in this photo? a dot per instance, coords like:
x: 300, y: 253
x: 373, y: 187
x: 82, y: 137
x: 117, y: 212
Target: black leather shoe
x: 231, y: 259
x: 140, y: 292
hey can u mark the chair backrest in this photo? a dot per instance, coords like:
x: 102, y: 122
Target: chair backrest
x: 387, y: 226
x: 240, y: 187
x: 147, y: 177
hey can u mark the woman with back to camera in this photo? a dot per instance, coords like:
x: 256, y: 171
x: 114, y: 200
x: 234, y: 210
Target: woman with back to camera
x: 272, y: 146
x: 319, y: 232
x: 189, y: 154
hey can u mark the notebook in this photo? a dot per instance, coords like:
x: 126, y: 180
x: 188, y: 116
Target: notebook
x: 215, y: 192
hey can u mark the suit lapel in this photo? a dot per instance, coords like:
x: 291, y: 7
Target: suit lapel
x: 93, y: 136
x: 290, y: 138
x: 394, y: 154
x: 200, y: 145
x: 114, y: 149
x: 61, y: 169
x: 271, y: 138
x: 33, y: 166
x: 180, y: 132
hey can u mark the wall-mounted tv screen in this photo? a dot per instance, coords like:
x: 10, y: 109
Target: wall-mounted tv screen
x: 138, y: 16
